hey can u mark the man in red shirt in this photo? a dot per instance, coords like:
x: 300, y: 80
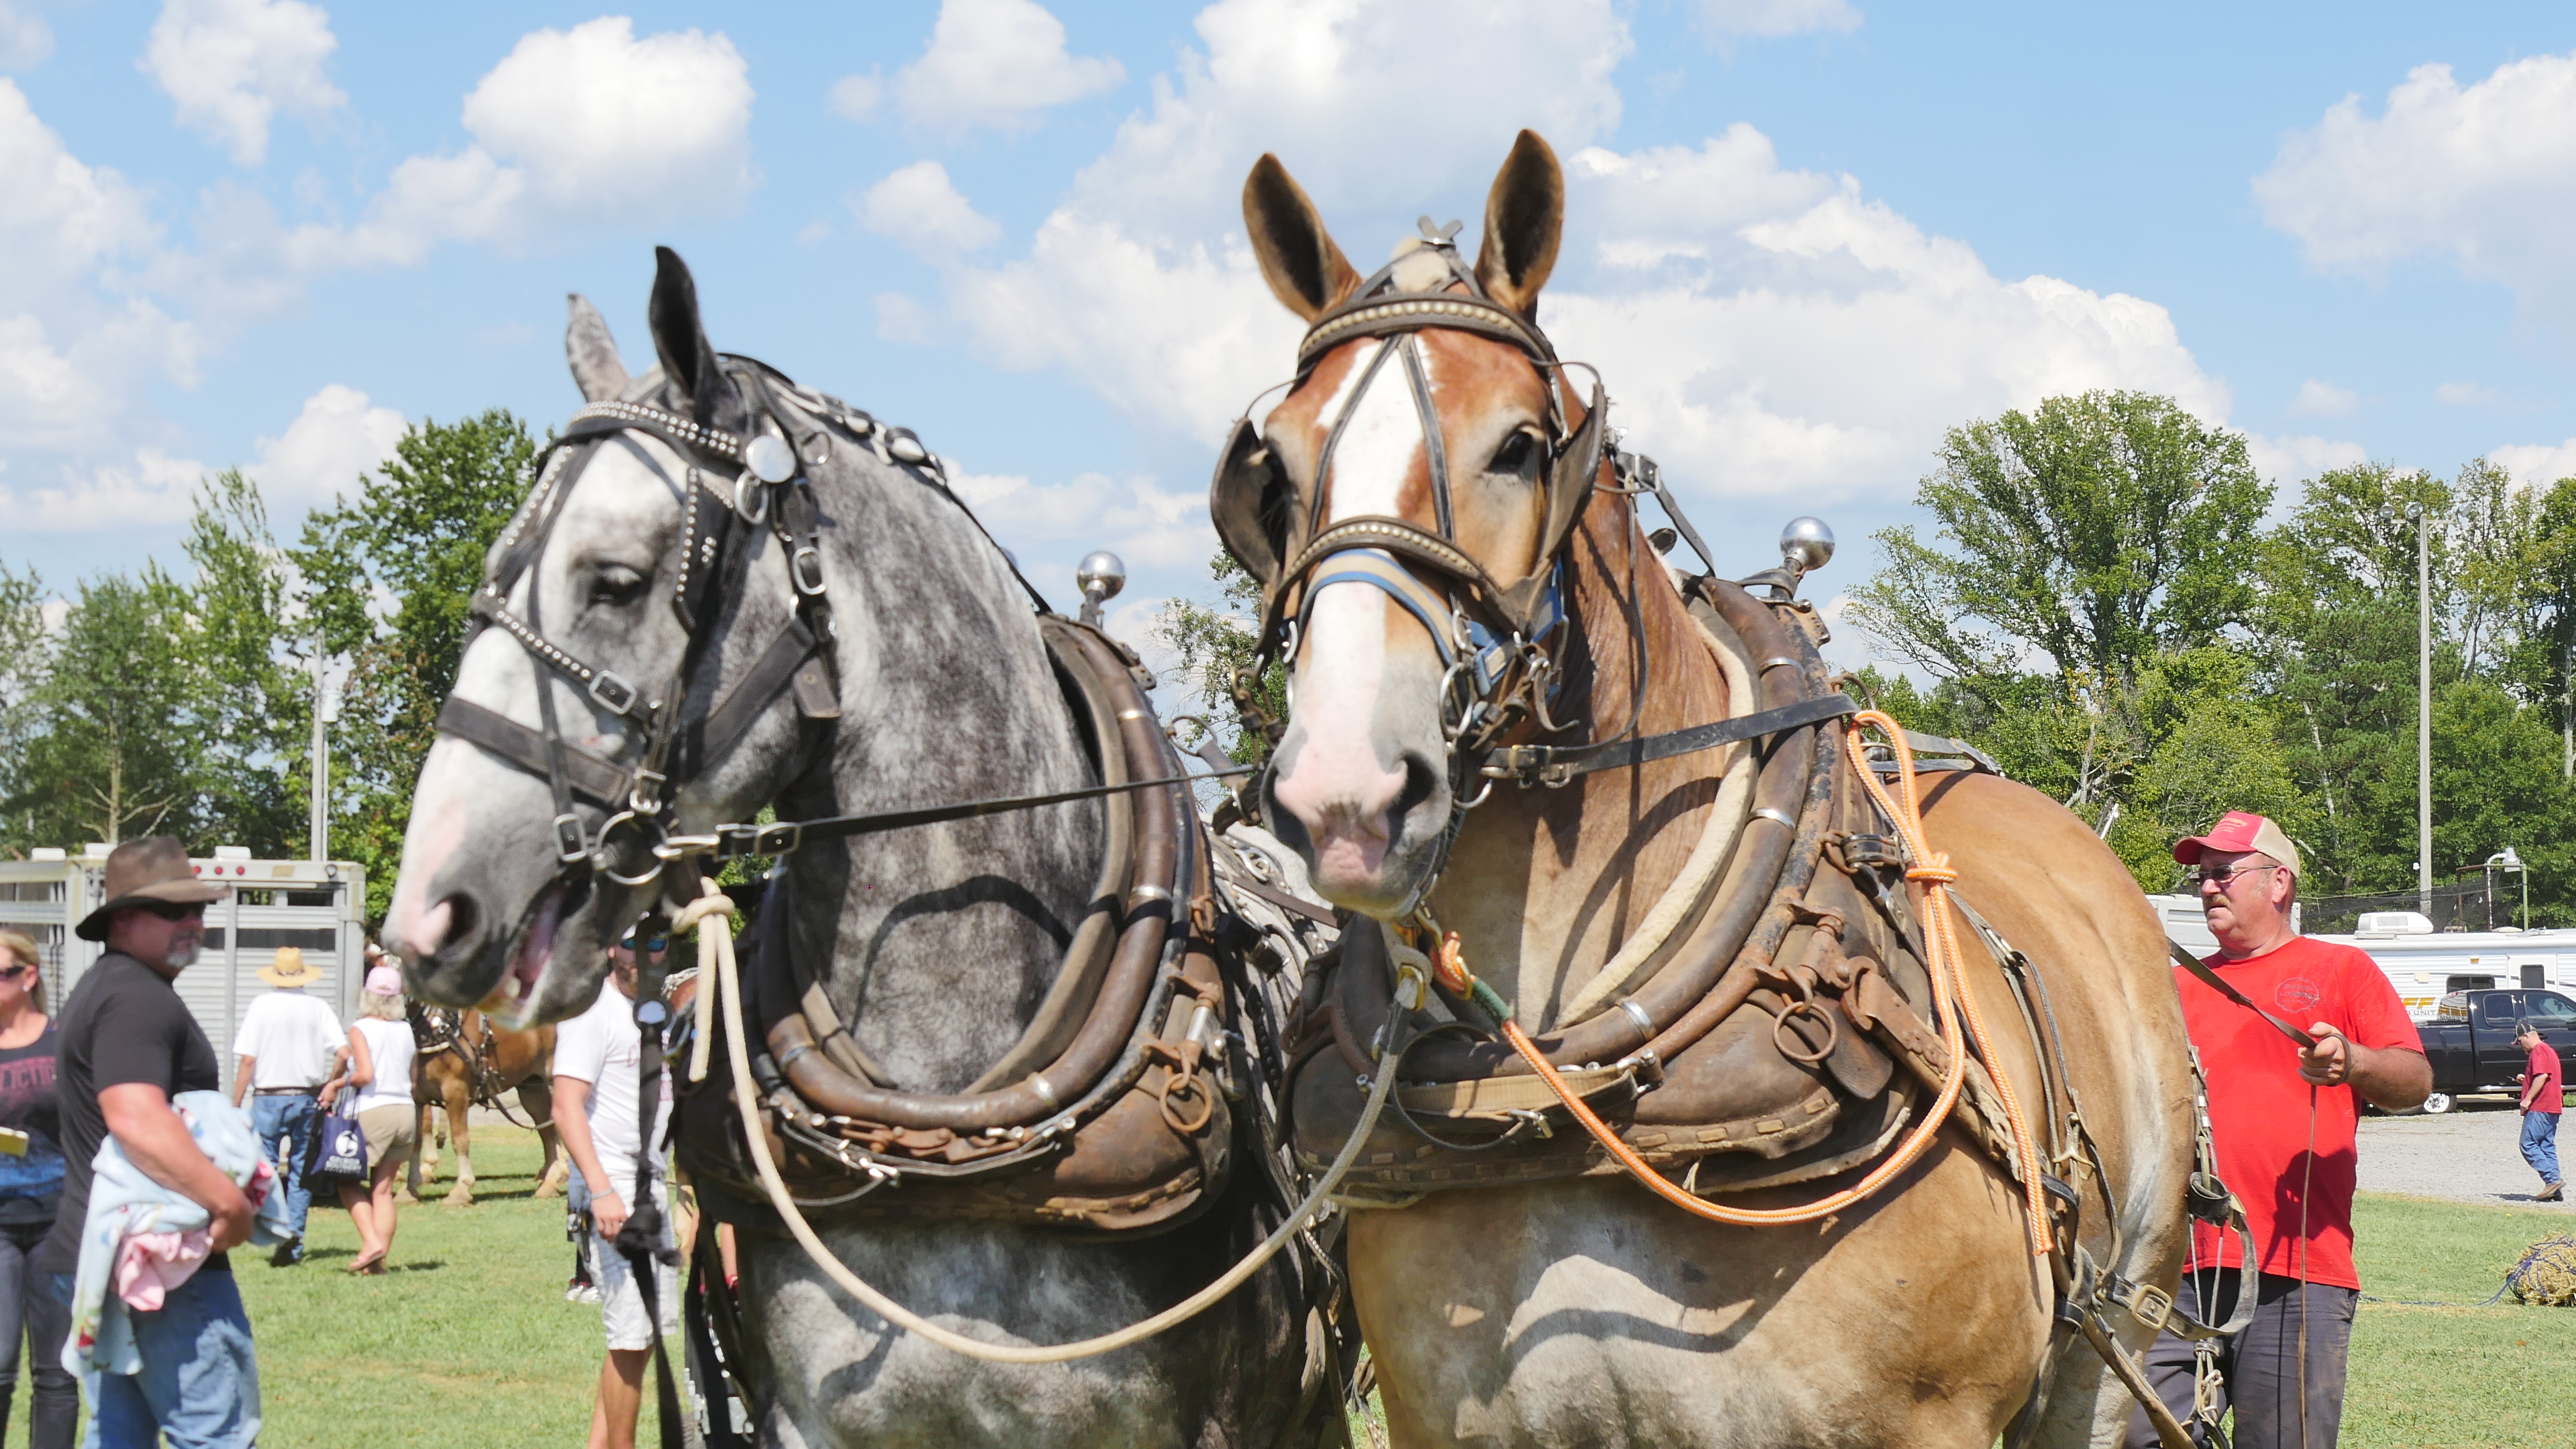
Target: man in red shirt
x: 2544, y: 1096
x: 2283, y: 1117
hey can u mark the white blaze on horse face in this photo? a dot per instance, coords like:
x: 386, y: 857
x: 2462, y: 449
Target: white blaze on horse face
x: 1341, y: 783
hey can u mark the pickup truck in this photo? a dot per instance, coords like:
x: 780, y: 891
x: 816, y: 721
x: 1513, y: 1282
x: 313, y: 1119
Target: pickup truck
x: 2470, y: 1040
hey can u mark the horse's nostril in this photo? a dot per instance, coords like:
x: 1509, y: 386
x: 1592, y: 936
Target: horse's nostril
x: 1419, y: 781
x: 450, y: 922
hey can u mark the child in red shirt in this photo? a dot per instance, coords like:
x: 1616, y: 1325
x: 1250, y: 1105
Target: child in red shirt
x: 2544, y: 1097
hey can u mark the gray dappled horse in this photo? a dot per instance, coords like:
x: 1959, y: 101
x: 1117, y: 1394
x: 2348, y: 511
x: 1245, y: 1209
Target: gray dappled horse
x: 936, y: 944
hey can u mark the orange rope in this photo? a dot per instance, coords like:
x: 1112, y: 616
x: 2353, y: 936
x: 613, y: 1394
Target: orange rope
x: 1951, y: 1001
x: 1932, y: 869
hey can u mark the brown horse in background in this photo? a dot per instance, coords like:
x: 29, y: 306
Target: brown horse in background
x: 464, y: 1062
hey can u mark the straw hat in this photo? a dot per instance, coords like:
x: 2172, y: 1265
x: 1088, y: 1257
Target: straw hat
x: 150, y: 871
x: 290, y: 969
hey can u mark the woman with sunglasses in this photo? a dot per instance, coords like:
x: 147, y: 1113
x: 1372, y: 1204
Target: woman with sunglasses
x: 31, y: 1186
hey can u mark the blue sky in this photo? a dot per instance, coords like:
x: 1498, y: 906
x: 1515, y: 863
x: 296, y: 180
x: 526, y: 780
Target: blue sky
x: 1805, y: 236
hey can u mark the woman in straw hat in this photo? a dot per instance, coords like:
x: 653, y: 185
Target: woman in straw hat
x: 380, y: 1060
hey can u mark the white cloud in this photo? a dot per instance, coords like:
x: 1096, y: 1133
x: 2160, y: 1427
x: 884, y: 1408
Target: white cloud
x: 2316, y: 399
x: 1048, y: 528
x: 2288, y: 459
x: 919, y: 207
x: 574, y: 131
x: 232, y: 65
x: 1776, y: 17
x: 2536, y: 465
x: 148, y: 490
x: 1141, y: 283
x: 25, y: 38
x: 1770, y: 332
x: 77, y: 341
x: 2466, y: 395
x: 856, y: 97
x: 2484, y: 175
x: 334, y: 438
x: 993, y: 63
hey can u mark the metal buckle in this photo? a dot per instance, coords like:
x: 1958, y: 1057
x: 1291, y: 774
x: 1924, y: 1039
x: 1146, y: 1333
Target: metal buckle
x: 797, y: 568
x: 614, y: 694
x: 778, y: 839
x: 645, y: 796
x: 570, y: 842
x: 2151, y: 1306
x: 748, y: 485
x: 640, y: 823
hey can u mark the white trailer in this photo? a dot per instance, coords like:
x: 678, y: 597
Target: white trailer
x: 316, y: 906
x: 2423, y: 964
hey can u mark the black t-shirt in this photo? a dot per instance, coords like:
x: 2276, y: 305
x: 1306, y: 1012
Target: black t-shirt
x: 124, y: 1023
x: 30, y: 1184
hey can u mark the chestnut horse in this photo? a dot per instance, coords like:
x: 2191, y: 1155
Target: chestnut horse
x: 470, y: 1064
x: 1583, y: 1310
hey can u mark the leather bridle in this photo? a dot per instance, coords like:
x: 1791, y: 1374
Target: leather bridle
x: 1497, y: 641
x: 769, y: 488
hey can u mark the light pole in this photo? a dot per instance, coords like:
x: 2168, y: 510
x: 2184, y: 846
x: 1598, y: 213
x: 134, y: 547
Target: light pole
x: 2423, y: 707
x: 326, y: 712
x: 2505, y: 859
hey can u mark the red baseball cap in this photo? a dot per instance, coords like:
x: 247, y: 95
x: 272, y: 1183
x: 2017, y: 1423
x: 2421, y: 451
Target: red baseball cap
x: 2240, y: 830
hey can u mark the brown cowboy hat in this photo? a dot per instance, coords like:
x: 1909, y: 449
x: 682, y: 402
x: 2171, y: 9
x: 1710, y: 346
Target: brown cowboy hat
x: 290, y: 969
x: 150, y: 871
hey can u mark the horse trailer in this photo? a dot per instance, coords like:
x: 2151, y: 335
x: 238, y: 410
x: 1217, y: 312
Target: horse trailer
x: 319, y: 907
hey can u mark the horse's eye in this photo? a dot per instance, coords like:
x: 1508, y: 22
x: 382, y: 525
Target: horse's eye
x: 616, y: 585
x: 1514, y: 455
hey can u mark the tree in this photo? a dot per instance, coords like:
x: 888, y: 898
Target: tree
x: 2082, y: 550
x: 1215, y: 645
x: 110, y: 753
x: 2101, y: 531
x: 390, y: 578
x: 253, y: 707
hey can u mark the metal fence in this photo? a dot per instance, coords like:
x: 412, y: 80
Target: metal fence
x: 2467, y: 906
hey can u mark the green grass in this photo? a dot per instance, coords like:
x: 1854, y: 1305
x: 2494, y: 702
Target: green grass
x: 2455, y: 1378
x: 469, y: 1339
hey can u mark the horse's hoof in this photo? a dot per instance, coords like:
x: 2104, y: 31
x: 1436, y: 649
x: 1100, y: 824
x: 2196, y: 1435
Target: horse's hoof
x: 463, y: 1196
x: 406, y: 1197
x: 546, y: 1190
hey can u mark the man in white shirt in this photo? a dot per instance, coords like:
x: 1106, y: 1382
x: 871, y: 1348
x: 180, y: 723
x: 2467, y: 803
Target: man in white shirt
x: 289, y: 1045
x: 598, y: 1057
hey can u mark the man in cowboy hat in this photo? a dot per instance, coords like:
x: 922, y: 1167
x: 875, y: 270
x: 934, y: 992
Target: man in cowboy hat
x: 289, y: 1045
x: 2283, y: 1116
x: 127, y: 1046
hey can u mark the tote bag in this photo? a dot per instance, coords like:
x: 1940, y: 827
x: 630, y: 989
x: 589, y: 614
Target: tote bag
x: 339, y: 1152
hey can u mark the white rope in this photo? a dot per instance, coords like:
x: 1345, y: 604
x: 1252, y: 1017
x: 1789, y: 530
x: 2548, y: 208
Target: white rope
x: 1681, y: 899
x: 715, y: 945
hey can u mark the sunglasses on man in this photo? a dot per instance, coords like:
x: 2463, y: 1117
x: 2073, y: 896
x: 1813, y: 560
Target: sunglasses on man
x: 176, y: 910
x: 650, y: 943
x: 2224, y: 878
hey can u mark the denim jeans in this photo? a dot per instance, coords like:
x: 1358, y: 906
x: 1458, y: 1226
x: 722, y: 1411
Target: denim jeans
x: 29, y: 1314
x: 2540, y: 1144
x: 199, y: 1388
x: 286, y: 1126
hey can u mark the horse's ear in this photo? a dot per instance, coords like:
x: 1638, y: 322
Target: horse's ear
x: 688, y: 359
x: 1305, y: 270
x: 1524, y: 219
x: 596, y: 368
